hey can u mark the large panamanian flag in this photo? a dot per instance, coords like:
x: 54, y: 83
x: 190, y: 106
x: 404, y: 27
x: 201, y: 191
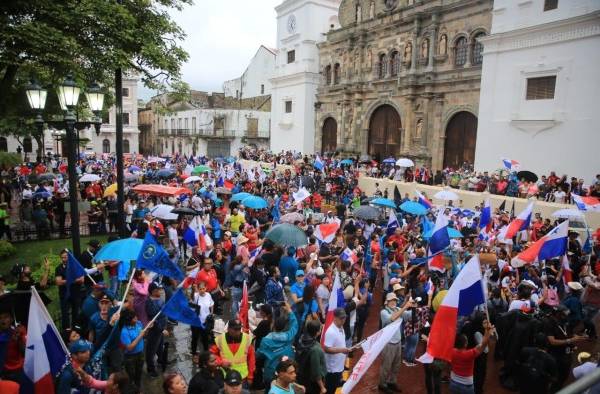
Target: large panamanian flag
x: 520, y: 223
x: 45, y: 351
x: 553, y: 244
x: 439, y: 241
x: 485, y: 220
x: 585, y: 203
x: 326, y: 232
x: 336, y: 300
x: 464, y: 295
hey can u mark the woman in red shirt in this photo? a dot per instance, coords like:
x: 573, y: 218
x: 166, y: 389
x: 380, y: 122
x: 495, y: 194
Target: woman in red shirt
x: 463, y: 360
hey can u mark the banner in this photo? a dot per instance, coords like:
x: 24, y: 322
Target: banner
x: 371, y: 347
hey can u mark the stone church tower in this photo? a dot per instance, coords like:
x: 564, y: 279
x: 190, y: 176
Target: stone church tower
x: 401, y: 78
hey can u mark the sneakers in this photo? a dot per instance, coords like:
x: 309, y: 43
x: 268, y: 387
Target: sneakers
x: 408, y: 363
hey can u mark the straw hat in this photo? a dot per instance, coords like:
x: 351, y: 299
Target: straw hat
x: 241, y: 239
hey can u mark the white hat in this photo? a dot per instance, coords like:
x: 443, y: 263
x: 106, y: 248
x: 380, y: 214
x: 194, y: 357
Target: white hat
x: 575, y: 286
x: 319, y: 271
x: 529, y: 283
x: 390, y: 297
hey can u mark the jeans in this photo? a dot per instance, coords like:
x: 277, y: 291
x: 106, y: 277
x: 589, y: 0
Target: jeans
x: 236, y: 297
x: 410, y: 347
x: 458, y: 388
x: 114, y: 285
x: 333, y: 380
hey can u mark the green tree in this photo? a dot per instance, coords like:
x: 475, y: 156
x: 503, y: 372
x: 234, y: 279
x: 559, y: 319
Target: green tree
x: 89, y: 39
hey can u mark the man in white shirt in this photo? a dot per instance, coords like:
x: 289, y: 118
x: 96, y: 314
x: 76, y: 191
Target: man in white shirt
x: 335, y: 351
x: 174, y: 239
x: 559, y: 196
x: 392, y: 352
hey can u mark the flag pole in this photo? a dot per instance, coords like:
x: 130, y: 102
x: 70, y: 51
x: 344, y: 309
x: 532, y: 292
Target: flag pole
x: 126, y: 291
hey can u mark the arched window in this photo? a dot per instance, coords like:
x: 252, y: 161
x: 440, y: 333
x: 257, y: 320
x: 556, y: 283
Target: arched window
x: 27, y: 146
x: 336, y: 74
x: 3, y: 144
x: 477, y: 54
x: 460, y: 52
x: 328, y: 74
x: 395, y: 63
x: 105, y: 146
x: 382, y: 70
x: 125, y: 146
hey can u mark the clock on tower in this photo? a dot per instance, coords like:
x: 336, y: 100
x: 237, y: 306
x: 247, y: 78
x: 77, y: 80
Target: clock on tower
x: 291, y: 24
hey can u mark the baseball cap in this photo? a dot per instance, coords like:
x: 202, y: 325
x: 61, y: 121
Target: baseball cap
x: 94, y: 243
x: 340, y: 313
x: 299, y: 273
x: 104, y: 298
x: 233, y: 378
x: 80, y: 345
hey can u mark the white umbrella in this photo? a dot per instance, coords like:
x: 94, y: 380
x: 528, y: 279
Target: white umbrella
x: 163, y: 211
x: 446, y: 195
x: 156, y: 160
x: 193, y: 178
x: 89, y: 178
x: 404, y: 162
x: 568, y: 213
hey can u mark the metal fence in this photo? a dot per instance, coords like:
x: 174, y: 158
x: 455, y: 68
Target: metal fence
x: 25, y: 232
x: 582, y: 384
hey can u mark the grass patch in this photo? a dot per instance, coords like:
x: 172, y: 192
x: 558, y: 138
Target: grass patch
x: 33, y: 254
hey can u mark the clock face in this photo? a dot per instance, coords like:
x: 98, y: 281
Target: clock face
x: 291, y: 24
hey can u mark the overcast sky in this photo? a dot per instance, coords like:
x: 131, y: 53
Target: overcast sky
x: 222, y: 37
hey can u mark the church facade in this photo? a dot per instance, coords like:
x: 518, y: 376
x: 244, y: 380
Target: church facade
x: 401, y: 78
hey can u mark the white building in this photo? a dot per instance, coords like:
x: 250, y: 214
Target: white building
x: 104, y: 143
x: 254, y: 81
x: 301, y: 25
x: 540, y: 87
x: 212, y: 132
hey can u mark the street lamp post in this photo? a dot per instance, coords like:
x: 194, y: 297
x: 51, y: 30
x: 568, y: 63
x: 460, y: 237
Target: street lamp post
x: 68, y: 96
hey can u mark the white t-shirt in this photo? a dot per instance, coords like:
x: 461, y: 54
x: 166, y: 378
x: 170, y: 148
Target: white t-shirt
x: 205, y: 302
x: 559, y: 196
x: 323, y: 293
x: 173, y: 237
x: 335, y: 337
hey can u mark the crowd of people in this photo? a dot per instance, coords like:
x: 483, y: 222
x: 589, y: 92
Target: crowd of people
x: 536, y: 323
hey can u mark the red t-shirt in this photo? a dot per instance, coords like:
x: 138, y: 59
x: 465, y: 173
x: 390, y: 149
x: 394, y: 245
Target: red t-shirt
x: 463, y: 361
x: 14, y: 358
x: 208, y: 277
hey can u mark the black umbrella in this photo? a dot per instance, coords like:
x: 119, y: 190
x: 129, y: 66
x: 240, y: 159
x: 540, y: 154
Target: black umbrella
x: 307, y: 182
x: 366, y: 212
x: 17, y: 302
x: 527, y: 175
x: 185, y: 211
x: 165, y: 173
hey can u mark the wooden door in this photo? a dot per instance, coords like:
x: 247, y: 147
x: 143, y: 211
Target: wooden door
x: 329, y: 143
x: 461, y: 136
x: 384, y: 133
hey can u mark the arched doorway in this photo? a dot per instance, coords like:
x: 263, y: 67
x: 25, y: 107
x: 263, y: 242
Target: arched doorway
x: 329, y: 143
x: 461, y: 136
x: 384, y: 133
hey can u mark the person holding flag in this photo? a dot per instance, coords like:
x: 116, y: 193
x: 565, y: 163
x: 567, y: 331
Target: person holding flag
x: 70, y: 294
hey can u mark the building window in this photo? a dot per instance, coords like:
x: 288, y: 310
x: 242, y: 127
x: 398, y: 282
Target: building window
x: 105, y: 146
x: 477, y: 55
x: 185, y: 122
x: 541, y: 88
x: 237, y: 94
x: 3, y: 144
x: 395, y: 63
x: 288, y: 107
x: 179, y: 123
x: 550, y: 5
x: 336, y: 74
x: 125, y: 146
x: 125, y: 118
x: 262, y: 89
x: 382, y: 69
x: 105, y: 117
x: 291, y: 56
x: 460, y: 52
x: 194, y: 123
x: 328, y: 74
x: 166, y: 124
x: 27, y: 146
x: 125, y: 92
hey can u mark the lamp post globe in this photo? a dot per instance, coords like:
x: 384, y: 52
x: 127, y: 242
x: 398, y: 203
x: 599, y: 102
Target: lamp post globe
x: 36, y: 96
x: 95, y: 99
x: 69, y: 92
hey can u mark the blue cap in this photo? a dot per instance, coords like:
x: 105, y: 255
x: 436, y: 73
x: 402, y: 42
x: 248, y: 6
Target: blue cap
x: 395, y: 266
x: 299, y: 273
x: 80, y: 345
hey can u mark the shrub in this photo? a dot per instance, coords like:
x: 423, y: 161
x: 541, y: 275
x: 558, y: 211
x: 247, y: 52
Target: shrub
x: 6, y: 249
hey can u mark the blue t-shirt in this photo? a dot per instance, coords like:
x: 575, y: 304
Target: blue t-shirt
x: 288, y: 267
x: 278, y: 390
x: 128, y: 335
x: 309, y: 309
x: 298, y: 289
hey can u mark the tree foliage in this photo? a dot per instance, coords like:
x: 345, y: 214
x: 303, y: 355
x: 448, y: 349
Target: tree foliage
x: 89, y: 39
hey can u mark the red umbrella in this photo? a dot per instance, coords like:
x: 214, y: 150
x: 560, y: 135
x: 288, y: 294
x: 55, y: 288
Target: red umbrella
x: 24, y: 170
x: 62, y: 168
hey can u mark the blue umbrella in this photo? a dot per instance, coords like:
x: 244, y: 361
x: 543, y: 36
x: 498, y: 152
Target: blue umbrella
x: 255, y: 202
x: 120, y: 250
x: 346, y: 162
x: 240, y: 196
x: 389, y: 160
x: 383, y: 202
x: 452, y: 233
x: 42, y: 195
x: 414, y: 208
x: 134, y: 168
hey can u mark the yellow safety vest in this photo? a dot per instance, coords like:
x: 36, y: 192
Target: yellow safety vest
x: 239, y: 359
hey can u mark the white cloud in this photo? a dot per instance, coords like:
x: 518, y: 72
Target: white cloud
x: 222, y: 37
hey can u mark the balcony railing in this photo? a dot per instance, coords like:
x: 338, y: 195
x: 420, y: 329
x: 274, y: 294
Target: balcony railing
x: 175, y: 132
x: 206, y: 133
x: 217, y: 133
x: 257, y: 134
